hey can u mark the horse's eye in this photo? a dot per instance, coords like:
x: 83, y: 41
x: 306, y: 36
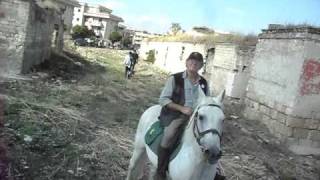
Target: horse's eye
x: 201, y: 117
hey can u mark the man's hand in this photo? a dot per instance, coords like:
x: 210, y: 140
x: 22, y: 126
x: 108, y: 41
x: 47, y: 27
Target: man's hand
x: 186, y: 110
x: 183, y: 109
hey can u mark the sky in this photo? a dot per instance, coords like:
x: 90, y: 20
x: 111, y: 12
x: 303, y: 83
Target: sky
x: 241, y: 16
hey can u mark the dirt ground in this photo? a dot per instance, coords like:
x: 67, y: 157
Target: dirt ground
x: 74, y: 117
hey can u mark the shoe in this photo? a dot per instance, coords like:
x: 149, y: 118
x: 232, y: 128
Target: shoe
x: 219, y: 177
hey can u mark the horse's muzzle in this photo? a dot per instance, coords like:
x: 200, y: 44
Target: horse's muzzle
x: 213, y: 157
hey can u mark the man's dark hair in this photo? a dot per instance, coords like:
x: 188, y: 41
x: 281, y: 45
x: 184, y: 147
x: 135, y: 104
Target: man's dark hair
x: 196, y: 56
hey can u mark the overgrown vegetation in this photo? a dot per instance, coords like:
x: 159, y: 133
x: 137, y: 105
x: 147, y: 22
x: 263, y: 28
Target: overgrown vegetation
x: 81, y: 32
x: 75, y: 118
x: 209, y: 39
x: 115, y: 37
x: 151, y: 56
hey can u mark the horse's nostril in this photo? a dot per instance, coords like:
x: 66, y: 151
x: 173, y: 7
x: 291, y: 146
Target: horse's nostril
x: 207, y: 151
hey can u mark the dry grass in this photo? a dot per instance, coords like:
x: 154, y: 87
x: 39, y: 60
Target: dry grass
x: 82, y: 117
x: 210, y: 39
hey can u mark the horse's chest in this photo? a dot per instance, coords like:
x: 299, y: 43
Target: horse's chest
x: 184, y: 166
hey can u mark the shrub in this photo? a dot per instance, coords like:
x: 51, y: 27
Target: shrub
x: 151, y: 56
x: 81, y: 32
x: 115, y: 37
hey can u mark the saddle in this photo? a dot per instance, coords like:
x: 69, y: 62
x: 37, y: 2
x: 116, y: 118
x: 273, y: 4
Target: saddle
x: 153, y: 139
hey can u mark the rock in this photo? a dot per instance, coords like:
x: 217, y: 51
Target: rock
x: 234, y: 117
x: 78, y: 63
x: 70, y: 171
x: 42, y: 74
x: 27, y: 138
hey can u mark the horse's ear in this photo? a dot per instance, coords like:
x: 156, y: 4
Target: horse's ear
x: 220, y: 97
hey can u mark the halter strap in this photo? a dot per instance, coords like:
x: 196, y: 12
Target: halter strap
x: 195, y: 126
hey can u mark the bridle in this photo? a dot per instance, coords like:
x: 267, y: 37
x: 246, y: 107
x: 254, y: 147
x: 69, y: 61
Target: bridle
x: 196, y: 132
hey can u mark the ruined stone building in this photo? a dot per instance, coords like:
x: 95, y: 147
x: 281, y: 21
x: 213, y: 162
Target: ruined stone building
x: 284, y: 86
x: 226, y: 64
x: 98, y: 18
x: 277, y: 79
x: 30, y: 30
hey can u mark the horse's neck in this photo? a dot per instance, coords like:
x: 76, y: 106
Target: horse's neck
x: 190, y: 140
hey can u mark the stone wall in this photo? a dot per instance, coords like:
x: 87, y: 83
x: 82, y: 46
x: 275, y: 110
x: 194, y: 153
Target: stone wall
x: 229, y: 68
x: 224, y: 63
x: 12, y: 35
x: 170, y: 56
x: 38, y: 41
x: 27, y: 34
x: 283, y: 90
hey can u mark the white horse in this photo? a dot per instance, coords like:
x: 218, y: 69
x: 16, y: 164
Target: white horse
x: 200, y: 150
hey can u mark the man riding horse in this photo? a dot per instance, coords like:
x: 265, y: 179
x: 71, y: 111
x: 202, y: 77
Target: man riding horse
x: 178, y: 100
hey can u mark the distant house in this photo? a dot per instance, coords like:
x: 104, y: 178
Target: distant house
x: 30, y: 30
x: 98, y: 18
x: 139, y: 36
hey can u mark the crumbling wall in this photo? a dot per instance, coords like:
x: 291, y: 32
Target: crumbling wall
x: 26, y: 35
x: 229, y: 69
x: 226, y: 64
x: 220, y: 69
x: 283, y: 90
x: 38, y: 37
x: 13, y: 23
x: 245, y: 56
x: 170, y: 56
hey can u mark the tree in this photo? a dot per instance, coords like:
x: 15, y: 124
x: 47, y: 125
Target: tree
x: 151, y: 56
x: 127, y: 41
x: 81, y: 32
x: 175, y: 28
x: 115, y: 37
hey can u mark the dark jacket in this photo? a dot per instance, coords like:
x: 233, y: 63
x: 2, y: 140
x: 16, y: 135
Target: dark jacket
x: 167, y: 115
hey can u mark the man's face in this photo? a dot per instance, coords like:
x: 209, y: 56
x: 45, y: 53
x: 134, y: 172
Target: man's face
x: 193, y: 65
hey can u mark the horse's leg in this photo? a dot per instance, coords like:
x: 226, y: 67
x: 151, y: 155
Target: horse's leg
x: 136, y: 161
x: 152, y: 171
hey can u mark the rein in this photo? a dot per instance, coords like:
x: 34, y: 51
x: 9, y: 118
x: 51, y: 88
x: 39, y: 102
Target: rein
x: 197, y: 134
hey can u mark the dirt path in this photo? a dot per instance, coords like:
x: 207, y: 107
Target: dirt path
x: 75, y: 118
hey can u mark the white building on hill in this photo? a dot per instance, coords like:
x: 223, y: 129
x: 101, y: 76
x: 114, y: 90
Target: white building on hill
x: 98, y: 18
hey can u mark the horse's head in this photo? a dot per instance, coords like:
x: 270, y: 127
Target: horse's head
x: 207, y: 127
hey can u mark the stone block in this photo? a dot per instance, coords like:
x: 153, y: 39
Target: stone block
x: 316, y: 144
x: 251, y: 95
x: 251, y: 114
x: 271, y: 104
x: 288, y: 111
x: 305, y: 142
x: 283, y: 129
x: 273, y: 113
x: 281, y: 118
x: 295, y: 122
x: 255, y: 106
x: 291, y: 140
x: 311, y: 124
x: 266, y: 119
x: 277, y: 106
x: 246, y: 101
x: 300, y: 133
x: 283, y: 108
x: 264, y: 109
x: 314, y: 135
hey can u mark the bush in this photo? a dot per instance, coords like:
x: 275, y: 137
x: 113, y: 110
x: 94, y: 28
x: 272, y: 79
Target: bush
x: 127, y: 41
x: 151, y: 56
x: 115, y: 37
x: 81, y: 32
